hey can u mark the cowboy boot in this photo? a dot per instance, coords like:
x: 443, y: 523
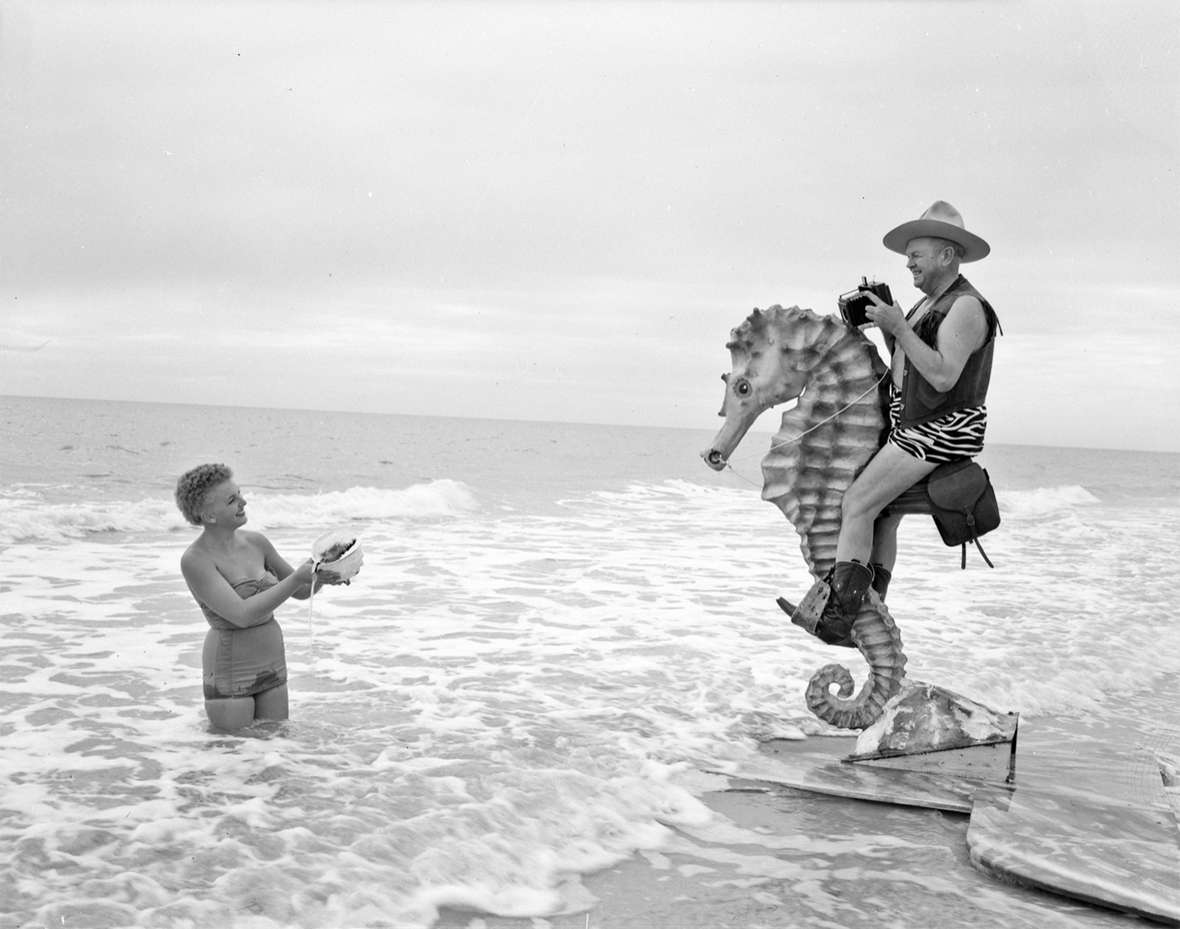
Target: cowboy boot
x: 881, y: 578
x: 850, y: 582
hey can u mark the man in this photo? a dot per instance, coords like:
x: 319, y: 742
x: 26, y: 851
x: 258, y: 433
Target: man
x: 941, y: 361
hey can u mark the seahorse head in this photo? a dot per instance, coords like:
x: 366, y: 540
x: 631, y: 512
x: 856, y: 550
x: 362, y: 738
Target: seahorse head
x: 773, y: 353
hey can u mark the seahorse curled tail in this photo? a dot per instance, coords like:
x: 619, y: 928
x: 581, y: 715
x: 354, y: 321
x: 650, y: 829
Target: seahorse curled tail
x: 877, y: 637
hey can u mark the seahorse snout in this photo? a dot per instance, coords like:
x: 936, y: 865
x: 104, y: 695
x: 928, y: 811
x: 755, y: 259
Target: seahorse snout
x: 714, y: 459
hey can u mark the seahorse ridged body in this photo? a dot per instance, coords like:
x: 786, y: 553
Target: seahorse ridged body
x: 835, y: 427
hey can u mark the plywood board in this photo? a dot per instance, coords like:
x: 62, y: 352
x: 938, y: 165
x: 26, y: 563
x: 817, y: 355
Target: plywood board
x: 1117, y: 853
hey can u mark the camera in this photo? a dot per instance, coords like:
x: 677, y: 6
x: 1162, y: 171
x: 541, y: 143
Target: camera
x: 854, y: 303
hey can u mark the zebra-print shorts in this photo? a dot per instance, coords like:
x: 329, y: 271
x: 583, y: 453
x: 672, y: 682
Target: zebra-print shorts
x: 947, y: 438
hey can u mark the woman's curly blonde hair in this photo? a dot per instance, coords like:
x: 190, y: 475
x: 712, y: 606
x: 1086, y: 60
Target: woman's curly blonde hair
x: 194, y: 485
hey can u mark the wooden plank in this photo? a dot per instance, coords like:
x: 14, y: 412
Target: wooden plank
x: 991, y: 763
x: 1120, y: 854
x: 814, y: 765
x: 1096, y: 828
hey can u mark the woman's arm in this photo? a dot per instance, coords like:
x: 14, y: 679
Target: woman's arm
x: 208, y: 586
x: 277, y: 565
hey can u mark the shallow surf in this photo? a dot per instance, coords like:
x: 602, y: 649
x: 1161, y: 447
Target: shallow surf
x: 507, y: 715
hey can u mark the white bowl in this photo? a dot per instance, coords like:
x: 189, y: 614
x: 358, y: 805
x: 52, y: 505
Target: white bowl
x: 348, y: 563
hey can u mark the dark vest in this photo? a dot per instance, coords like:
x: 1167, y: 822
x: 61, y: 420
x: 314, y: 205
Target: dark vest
x: 920, y: 401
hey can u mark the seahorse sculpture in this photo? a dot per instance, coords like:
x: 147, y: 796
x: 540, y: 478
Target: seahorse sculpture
x: 835, y: 427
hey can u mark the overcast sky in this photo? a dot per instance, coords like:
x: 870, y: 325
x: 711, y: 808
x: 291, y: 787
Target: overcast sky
x: 558, y: 210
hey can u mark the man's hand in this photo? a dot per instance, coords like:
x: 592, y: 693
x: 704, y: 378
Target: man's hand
x: 888, y: 317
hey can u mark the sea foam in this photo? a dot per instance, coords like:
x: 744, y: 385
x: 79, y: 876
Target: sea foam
x: 508, y: 698
x: 1044, y: 500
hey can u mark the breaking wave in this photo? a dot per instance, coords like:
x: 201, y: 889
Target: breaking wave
x: 26, y: 516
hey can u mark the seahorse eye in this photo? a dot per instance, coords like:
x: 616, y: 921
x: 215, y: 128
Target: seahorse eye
x: 743, y: 388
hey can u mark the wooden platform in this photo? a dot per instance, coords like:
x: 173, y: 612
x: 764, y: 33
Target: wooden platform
x: 816, y: 765
x: 1094, y: 827
x: 1114, y: 853
x: 1099, y: 831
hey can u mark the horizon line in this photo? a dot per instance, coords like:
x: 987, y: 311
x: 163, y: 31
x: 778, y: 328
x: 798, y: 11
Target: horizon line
x: 511, y: 419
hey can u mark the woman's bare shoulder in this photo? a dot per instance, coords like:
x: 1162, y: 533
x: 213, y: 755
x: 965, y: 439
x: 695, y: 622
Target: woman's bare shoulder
x: 256, y: 540
x: 195, y: 556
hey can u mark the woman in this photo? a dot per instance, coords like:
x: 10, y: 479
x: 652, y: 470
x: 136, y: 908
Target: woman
x: 238, y: 580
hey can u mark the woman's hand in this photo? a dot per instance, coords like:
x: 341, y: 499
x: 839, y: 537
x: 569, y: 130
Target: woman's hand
x: 328, y: 576
x: 888, y: 317
x: 305, y: 573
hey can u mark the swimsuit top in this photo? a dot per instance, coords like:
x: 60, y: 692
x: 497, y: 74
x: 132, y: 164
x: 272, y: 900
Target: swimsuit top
x: 246, y: 589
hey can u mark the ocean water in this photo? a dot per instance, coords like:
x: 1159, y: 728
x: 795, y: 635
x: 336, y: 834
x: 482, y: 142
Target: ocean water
x: 509, y: 718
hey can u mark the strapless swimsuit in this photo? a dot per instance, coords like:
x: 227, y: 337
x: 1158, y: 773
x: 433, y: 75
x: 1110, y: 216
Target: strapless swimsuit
x: 241, y: 662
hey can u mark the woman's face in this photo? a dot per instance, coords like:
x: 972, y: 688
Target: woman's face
x: 225, y: 505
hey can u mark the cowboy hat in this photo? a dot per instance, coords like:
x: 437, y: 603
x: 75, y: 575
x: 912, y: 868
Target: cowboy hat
x: 941, y: 221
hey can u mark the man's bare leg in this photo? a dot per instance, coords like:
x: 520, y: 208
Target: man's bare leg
x: 884, y: 478
x: 890, y: 472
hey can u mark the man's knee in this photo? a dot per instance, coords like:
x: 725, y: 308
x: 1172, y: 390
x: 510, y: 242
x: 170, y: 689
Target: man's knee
x: 857, y: 504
